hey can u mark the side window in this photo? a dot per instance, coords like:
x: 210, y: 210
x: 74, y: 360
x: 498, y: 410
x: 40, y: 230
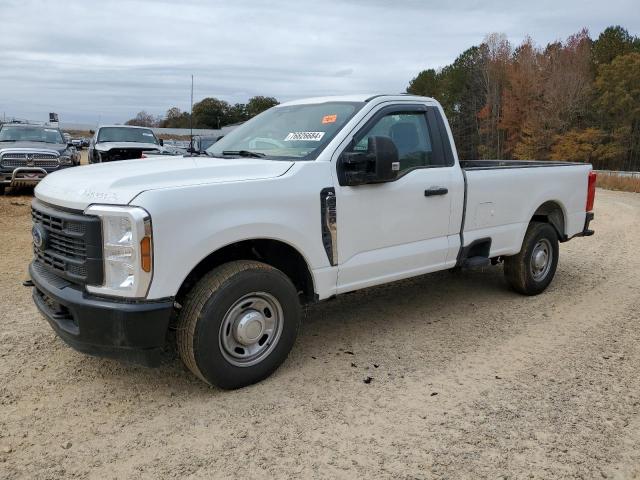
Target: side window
x: 410, y: 133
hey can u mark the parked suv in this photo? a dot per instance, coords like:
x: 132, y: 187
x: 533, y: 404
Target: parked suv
x: 28, y: 153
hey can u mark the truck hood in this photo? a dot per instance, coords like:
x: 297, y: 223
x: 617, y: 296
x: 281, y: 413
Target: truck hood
x: 106, y: 146
x: 119, y: 182
x: 33, y: 146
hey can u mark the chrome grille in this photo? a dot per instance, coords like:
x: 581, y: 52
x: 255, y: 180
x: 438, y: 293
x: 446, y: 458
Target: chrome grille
x: 25, y: 155
x: 41, y: 160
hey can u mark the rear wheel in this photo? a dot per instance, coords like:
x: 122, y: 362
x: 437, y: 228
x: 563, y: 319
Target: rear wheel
x: 531, y: 271
x: 238, y: 324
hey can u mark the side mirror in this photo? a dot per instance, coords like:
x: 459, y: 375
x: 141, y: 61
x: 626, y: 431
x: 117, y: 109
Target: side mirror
x: 378, y: 164
x: 161, y: 141
x: 385, y: 153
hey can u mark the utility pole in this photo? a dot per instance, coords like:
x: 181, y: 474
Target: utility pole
x: 191, y: 117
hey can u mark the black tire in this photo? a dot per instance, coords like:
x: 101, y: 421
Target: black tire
x: 522, y: 272
x: 1, y: 190
x: 210, y: 305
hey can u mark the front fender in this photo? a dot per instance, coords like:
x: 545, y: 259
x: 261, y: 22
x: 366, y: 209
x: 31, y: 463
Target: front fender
x: 192, y: 222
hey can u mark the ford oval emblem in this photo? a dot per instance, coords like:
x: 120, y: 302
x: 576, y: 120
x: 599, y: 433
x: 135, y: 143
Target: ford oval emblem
x: 38, y: 235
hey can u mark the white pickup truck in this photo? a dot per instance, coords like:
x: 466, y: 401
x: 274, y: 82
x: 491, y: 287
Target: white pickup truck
x: 310, y: 199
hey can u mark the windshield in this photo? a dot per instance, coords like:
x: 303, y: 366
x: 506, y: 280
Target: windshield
x: 33, y: 133
x: 206, y: 143
x: 289, y: 132
x: 124, y: 134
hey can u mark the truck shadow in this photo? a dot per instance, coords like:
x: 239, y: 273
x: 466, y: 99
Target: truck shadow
x: 361, y: 317
x: 20, y: 192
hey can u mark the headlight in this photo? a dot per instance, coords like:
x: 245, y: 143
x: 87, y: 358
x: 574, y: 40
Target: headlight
x: 127, y: 249
x: 66, y: 160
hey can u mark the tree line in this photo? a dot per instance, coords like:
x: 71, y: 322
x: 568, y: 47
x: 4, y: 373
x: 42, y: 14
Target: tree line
x: 207, y: 113
x: 575, y: 100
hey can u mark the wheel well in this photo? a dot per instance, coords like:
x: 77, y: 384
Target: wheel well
x: 551, y: 212
x: 272, y: 252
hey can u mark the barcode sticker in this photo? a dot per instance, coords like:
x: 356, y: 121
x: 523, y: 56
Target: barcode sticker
x: 304, y: 136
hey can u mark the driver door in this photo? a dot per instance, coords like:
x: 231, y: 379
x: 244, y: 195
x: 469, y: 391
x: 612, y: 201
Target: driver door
x: 397, y: 229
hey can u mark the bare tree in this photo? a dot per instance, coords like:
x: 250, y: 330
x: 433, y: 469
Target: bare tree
x: 144, y: 119
x: 494, y: 76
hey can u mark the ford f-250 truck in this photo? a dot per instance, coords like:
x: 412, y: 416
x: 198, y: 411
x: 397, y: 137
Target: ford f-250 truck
x: 308, y: 200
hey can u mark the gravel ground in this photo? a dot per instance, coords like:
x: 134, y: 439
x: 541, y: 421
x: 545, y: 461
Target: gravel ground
x: 467, y: 380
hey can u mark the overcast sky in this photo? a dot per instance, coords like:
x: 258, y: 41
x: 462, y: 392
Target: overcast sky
x: 106, y: 60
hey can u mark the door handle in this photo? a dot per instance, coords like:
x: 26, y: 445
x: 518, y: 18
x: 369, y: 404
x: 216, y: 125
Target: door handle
x: 433, y: 191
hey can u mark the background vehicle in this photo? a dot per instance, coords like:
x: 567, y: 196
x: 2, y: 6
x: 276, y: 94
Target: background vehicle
x: 176, y: 147
x: 29, y: 152
x: 201, y: 142
x: 119, y: 142
x: 77, y: 142
x: 306, y: 201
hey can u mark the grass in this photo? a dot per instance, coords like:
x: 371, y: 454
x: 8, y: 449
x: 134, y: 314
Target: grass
x: 613, y: 182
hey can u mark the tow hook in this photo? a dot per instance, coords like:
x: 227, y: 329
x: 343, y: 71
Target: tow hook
x: 28, y: 283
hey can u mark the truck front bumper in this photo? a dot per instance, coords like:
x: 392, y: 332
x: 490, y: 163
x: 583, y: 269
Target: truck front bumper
x: 130, y: 331
x: 23, y: 177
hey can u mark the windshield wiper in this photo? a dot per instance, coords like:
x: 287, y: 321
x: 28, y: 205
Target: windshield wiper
x: 244, y: 153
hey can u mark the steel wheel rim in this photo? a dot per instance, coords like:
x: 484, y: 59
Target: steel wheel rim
x: 251, y: 329
x: 541, y: 259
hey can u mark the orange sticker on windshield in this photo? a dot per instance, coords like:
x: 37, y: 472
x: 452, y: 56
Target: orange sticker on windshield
x: 329, y: 118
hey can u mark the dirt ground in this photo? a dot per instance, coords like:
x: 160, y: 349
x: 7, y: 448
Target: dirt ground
x: 468, y: 380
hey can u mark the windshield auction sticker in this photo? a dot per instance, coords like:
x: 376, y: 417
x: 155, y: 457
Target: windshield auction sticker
x: 329, y: 119
x: 304, y: 136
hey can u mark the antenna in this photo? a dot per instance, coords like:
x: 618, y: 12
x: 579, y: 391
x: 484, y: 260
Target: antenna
x: 191, y: 117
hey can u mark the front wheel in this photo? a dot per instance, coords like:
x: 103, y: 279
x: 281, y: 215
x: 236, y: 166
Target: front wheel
x: 238, y: 324
x: 531, y: 271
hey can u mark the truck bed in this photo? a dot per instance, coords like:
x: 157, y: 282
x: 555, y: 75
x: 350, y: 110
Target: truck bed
x: 502, y: 196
